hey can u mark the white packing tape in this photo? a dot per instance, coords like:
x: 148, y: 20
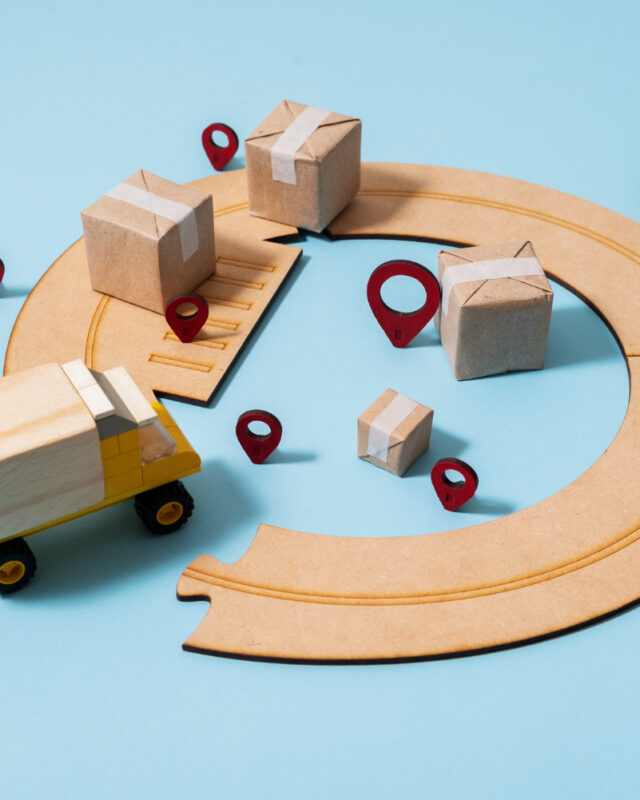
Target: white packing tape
x: 486, y: 270
x: 283, y: 152
x: 183, y: 215
x: 385, y: 423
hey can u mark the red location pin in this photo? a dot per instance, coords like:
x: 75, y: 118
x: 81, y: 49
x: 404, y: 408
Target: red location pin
x: 1, y: 270
x: 453, y: 494
x: 258, y: 446
x: 186, y: 323
x: 400, y: 326
x: 219, y: 156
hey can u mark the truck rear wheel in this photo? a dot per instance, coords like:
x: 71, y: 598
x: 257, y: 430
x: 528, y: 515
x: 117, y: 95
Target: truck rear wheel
x: 17, y: 565
x: 165, y: 508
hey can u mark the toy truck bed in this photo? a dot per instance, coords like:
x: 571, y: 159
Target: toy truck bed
x: 73, y: 441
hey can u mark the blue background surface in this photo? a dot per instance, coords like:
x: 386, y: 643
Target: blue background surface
x: 98, y: 699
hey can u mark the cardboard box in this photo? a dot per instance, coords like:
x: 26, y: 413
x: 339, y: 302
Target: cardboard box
x: 149, y: 240
x: 303, y: 165
x: 495, y: 311
x: 394, y: 431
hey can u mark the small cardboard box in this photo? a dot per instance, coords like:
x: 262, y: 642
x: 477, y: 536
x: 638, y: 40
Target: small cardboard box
x: 394, y: 431
x: 148, y: 240
x: 495, y: 311
x: 303, y: 165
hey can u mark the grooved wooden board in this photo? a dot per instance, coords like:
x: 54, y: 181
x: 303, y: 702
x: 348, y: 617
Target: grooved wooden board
x: 570, y: 559
x: 296, y: 596
x: 106, y: 332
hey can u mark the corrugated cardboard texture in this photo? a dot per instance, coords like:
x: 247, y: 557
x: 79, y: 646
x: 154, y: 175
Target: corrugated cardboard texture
x: 50, y: 461
x: 327, y: 170
x: 136, y: 255
x: 496, y: 325
x: 408, y: 441
x: 106, y: 332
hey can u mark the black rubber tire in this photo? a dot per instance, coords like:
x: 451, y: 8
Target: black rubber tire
x: 148, y: 504
x: 17, y: 550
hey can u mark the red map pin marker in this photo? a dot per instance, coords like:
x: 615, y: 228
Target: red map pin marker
x: 400, y: 326
x: 258, y: 446
x: 1, y: 270
x: 186, y: 322
x: 453, y: 494
x: 219, y: 156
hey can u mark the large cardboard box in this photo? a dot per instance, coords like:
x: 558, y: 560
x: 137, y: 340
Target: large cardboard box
x: 303, y: 165
x: 495, y: 310
x: 394, y: 431
x: 148, y: 240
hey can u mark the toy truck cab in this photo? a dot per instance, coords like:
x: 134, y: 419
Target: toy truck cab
x: 74, y: 441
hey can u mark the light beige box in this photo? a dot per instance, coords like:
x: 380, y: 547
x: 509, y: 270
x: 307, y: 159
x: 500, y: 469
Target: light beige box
x: 495, y: 310
x: 149, y: 239
x: 303, y: 165
x: 50, y: 462
x: 394, y: 431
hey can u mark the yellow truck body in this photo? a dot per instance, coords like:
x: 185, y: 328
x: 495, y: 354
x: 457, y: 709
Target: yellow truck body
x: 83, y: 426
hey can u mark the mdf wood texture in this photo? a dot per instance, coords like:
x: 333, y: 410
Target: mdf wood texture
x: 106, y: 332
x: 570, y: 559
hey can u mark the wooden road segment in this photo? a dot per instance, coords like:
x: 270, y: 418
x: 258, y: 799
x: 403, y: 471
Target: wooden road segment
x: 570, y: 559
x: 563, y: 562
x: 106, y: 332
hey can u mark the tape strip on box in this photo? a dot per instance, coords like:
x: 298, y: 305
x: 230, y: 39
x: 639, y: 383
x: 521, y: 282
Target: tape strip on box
x: 283, y: 152
x: 183, y: 215
x: 486, y: 270
x: 385, y: 423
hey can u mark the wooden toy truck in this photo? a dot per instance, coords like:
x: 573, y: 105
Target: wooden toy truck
x: 73, y: 441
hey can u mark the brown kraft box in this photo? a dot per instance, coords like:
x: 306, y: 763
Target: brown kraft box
x: 394, y: 431
x: 490, y: 325
x: 148, y: 240
x: 324, y: 176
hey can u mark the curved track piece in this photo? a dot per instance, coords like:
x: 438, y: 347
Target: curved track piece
x: 570, y: 559
x: 98, y: 328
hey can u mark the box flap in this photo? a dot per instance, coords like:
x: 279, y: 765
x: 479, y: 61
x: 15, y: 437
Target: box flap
x: 474, y: 291
x: 147, y: 223
x: 317, y: 145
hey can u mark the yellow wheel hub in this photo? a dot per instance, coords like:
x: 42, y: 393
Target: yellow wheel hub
x: 169, y: 513
x: 11, y: 572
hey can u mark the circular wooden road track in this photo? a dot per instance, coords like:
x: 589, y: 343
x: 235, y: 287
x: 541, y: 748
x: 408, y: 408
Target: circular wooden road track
x: 570, y: 559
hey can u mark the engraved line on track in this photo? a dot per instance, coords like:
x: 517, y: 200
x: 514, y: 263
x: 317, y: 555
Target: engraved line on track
x: 184, y: 363
x: 522, y: 210
x: 96, y: 319
x: 240, y: 262
x: 229, y: 281
x: 220, y: 301
x: 420, y: 599
x: 215, y: 344
x: 224, y: 324
x: 241, y: 206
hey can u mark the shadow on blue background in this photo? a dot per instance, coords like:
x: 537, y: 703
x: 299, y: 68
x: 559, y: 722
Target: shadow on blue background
x: 99, y: 699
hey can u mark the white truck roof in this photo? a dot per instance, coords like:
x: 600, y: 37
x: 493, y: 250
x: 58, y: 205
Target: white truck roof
x: 112, y: 397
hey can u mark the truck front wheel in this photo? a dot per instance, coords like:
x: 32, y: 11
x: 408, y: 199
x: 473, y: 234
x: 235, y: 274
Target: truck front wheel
x: 165, y: 508
x: 17, y: 565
